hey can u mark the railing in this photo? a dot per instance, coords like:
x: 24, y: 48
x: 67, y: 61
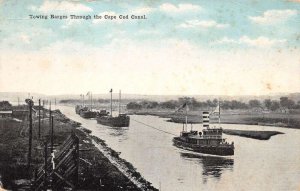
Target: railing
x: 62, y: 169
x: 212, y: 136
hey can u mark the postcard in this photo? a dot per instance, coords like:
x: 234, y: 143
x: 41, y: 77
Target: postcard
x: 150, y: 95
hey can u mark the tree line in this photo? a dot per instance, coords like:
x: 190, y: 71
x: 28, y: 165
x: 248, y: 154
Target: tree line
x: 193, y: 104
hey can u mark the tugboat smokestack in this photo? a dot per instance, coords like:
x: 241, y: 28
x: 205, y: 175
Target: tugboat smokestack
x: 205, y: 119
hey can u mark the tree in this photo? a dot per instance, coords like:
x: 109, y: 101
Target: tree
x: 172, y: 104
x: 5, y: 105
x: 133, y: 105
x: 215, y: 102
x: 274, y: 105
x: 254, y: 103
x: 267, y: 103
x: 285, y: 102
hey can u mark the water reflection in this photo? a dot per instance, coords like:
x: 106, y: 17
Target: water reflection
x: 212, y: 165
x: 118, y: 131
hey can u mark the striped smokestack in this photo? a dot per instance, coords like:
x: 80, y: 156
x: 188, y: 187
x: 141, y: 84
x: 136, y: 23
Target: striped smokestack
x: 205, y: 119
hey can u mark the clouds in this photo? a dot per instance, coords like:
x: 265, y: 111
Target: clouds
x: 273, y: 16
x: 28, y: 38
x: 143, y: 10
x: 157, y: 63
x: 261, y: 41
x: 182, y: 42
x: 180, y: 8
x: 64, y: 6
x: 202, y: 24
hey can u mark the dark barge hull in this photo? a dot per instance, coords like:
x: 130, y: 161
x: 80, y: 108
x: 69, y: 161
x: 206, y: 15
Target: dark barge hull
x: 88, y: 114
x: 222, y: 150
x: 114, y: 121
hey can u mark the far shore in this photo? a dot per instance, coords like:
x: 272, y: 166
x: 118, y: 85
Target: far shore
x: 228, y: 117
x: 261, y: 135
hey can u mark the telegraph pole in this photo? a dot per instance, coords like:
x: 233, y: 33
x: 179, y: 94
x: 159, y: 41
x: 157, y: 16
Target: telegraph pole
x: 119, y: 102
x: 45, y: 166
x: 111, y: 102
x: 39, y: 118
x: 50, y: 114
x: 30, y: 103
x: 52, y: 134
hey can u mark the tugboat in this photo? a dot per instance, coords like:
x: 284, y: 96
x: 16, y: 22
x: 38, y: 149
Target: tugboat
x: 86, y: 112
x: 122, y: 120
x: 209, y: 141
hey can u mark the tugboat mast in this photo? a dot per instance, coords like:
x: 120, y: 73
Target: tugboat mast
x: 219, y: 113
x: 119, y: 102
x: 91, y: 99
x: 111, y: 90
x: 186, y: 125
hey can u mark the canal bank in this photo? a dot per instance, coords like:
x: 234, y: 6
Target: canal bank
x: 98, y: 169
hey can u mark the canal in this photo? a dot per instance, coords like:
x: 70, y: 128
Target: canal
x: 256, y: 165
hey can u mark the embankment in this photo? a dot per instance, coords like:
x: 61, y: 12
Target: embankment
x: 99, y: 169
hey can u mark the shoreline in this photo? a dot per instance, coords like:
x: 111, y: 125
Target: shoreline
x: 100, y: 167
x: 123, y: 166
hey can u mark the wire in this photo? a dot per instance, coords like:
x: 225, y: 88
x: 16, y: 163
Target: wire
x: 154, y: 127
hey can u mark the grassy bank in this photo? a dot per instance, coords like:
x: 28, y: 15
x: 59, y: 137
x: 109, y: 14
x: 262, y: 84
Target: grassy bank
x: 96, y: 171
x: 261, y: 135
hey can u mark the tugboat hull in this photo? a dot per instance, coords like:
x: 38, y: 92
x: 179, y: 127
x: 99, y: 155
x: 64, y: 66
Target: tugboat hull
x: 222, y: 150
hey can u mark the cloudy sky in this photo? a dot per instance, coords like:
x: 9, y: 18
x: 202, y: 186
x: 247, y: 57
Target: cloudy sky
x: 238, y: 47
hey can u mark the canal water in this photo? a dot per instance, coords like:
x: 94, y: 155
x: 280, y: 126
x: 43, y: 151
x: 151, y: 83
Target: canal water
x: 257, y: 165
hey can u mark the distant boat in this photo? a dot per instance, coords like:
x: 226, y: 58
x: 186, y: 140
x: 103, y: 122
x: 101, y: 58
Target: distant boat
x: 122, y: 120
x: 209, y: 141
x: 78, y: 108
x: 86, y: 112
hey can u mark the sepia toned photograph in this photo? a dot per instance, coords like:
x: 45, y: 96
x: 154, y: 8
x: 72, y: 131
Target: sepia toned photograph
x: 149, y: 95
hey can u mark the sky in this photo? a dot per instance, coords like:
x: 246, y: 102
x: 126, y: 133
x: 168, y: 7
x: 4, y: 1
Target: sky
x: 240, y: 47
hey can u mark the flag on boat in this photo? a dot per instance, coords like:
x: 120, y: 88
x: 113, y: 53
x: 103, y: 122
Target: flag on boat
x: 183, y: 107
x: 88, y: 93
x: 110, y: 91
x: 216, y: 111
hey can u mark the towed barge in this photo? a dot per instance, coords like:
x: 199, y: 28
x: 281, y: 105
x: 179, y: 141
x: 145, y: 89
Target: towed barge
x: 122, y: 120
